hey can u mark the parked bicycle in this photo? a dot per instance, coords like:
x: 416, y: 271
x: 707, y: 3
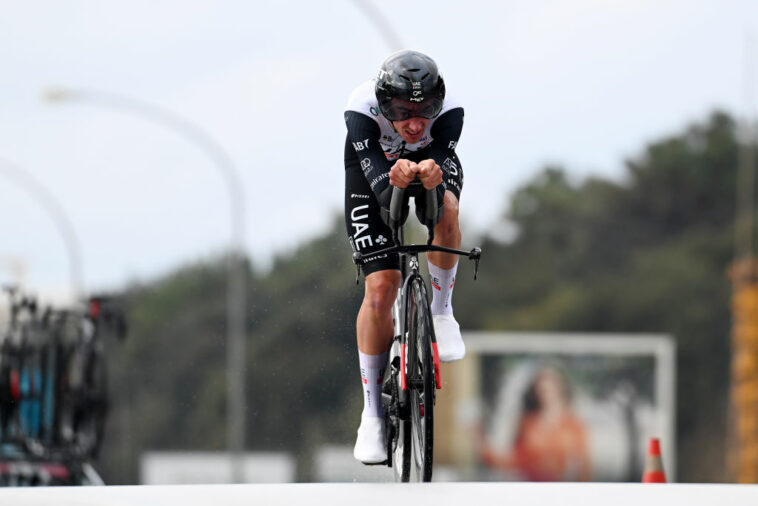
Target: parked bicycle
x: 21, y: 369
x: 409, y: 389
x: 84, y: 390
x: 53, y: 385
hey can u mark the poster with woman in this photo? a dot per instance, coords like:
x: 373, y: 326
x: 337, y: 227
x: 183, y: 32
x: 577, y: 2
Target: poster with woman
x: 561, y: 407
x: 547, y: 437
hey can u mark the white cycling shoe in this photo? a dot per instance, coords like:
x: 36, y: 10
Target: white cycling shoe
x: 370, y: 447
x: 449, y: 341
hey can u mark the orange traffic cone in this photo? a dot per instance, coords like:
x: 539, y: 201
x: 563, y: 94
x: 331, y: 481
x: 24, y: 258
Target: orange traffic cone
x: 653, y: 465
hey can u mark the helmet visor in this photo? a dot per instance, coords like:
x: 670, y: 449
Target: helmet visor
x: 400, y: 110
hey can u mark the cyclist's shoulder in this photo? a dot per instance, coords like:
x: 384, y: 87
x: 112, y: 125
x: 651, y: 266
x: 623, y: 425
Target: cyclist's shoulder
x: 363, y: 100
x: 450, y: 103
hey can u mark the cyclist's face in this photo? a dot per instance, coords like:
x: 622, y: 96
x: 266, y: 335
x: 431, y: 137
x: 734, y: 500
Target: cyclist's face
x: 412, y: 129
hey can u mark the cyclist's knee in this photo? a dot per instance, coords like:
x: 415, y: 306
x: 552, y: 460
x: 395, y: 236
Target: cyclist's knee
x: 381, y: 289
x: 449, y: 223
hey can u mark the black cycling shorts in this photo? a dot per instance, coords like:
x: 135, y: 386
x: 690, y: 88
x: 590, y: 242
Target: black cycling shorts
x: 366, y: 230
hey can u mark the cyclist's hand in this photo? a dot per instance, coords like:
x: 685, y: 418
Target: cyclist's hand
x: 429, y: 173
x: 403, y: 172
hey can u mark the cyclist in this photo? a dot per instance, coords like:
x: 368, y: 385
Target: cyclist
x: 401, y: 126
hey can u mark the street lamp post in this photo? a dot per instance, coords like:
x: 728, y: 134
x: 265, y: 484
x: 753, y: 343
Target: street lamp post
x: 57, y: 214
x: 380, y: 22
x: 236, y: 283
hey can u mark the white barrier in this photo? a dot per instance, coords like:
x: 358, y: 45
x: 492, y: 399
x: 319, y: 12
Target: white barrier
x: 185, y: 468
x: 382, y: 494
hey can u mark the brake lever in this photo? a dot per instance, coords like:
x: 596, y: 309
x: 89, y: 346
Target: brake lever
x: 475, y: 255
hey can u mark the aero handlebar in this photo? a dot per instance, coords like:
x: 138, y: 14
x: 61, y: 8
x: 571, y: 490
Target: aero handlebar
x: 398, y: 202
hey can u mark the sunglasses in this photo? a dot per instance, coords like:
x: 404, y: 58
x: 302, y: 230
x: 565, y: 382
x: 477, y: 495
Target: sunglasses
x: 401, y: 110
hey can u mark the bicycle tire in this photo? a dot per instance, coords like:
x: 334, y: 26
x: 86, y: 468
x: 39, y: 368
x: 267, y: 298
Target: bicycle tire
x: 421, y: 382
x: 402, y: 438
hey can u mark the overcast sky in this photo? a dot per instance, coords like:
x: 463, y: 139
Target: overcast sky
x: 582, y: 83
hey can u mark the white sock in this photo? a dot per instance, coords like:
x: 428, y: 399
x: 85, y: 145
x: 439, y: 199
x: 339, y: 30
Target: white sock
x: 443, y: 281
x: 372, y: 374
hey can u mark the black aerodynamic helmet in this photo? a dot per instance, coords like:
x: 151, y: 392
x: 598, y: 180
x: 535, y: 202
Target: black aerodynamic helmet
x: 408, y: 86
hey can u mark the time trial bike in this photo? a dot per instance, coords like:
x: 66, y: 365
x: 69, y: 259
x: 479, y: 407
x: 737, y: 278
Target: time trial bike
x: 412, y: 375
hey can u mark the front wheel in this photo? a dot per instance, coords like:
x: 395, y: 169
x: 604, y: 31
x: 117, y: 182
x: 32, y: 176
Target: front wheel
x: 398, y: 423
x: 420, y: 380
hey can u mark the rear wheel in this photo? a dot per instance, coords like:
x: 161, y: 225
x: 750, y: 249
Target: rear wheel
x: 421, y: 381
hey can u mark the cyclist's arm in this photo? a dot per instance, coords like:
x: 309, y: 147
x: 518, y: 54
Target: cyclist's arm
x: 363, y: 133
x: 446, y: 131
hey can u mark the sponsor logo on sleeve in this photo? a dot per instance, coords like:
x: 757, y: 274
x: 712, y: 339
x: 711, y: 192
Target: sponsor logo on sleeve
x: 452, y: 182
x: 450, y: 166
x: 379, y: 178
x: 361, y: 145
x: 366, y: 166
